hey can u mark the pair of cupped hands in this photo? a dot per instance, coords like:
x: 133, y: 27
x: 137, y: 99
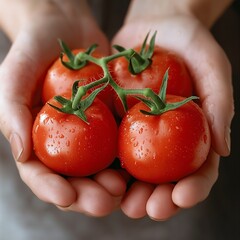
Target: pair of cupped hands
x: 35, y: 47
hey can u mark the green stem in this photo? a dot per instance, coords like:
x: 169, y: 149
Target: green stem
x: 126, y: 53
x: 148, y: 93
x: 121, y: 92
x: 138, y: 62
x: 80, y: 93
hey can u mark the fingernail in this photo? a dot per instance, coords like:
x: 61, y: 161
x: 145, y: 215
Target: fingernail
x: 228, y: 138
x: 158, y: 220
x: 64, y: 209
x: 16, y: 146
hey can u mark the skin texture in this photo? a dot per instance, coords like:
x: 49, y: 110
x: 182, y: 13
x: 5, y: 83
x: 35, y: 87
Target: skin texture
x: 34, y: 30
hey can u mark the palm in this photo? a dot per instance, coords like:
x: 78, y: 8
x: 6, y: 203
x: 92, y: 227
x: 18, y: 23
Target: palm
x: 205, y: 60
x: 22, y: 71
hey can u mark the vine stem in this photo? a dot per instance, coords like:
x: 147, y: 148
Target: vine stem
x: 138, y: 62
x: 121, y: 92
x: 80, y: 93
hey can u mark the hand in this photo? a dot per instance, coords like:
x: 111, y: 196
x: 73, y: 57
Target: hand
x: 211, y: 73
x: 34, y: 32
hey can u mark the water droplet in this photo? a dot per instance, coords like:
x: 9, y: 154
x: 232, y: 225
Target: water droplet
x: 133, y: 139
x: 140, y: 131
x: 44, y: 118
x: 72, y: 130
x: 205, y: 138
x: 36, y: 128
x: 135, y: 144
x: 122, y: 164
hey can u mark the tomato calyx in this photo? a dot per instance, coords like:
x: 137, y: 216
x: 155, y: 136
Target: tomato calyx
x: 77, y: 105
x: 73, y: 62
x: 157, y: 102
x: 138, y: 62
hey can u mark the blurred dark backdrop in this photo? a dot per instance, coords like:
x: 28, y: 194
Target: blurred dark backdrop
x: 24, y: 217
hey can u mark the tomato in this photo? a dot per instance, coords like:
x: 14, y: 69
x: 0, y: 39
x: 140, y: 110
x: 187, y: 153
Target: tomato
x: 179, y: 79
x: 166, y: 147
x: 59, y: 79
x: 69, y: 146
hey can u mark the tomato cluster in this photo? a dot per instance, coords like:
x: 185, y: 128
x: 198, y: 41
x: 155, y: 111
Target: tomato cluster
x: 162, y: 137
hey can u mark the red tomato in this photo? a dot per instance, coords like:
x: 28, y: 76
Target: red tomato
x: 69, y: 146
x: 59, y: 79
x: 163, y: 148
x: 179, y: 80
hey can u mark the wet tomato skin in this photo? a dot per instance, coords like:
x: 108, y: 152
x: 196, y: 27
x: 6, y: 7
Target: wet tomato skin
x: 69, y: 146
x: 164, y: 148
x: 179, y: 79
x: 59, y: 79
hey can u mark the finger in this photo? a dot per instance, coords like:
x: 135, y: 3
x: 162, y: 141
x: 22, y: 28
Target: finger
x: 208, y: 65
x: 45, y: 184
x: 196, y: 187
x: 160, y: 205
x: 112, y: 181
x: 211, y: 73
x: 212, y: 76
x: 135, y: 200
x: 92, y: 198
x: 18, y: 76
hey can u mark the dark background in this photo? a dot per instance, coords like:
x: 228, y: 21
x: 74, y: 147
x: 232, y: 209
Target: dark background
x: 24, y: 217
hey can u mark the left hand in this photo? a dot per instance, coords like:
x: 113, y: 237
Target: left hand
x: 211, y: 73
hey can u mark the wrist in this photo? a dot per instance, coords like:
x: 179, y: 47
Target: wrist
x: 9, y: 9
x: 34, y: 10
x: 207, y: 12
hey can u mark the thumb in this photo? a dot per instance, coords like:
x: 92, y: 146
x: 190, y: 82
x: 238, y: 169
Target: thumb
x: 17, y: 84
x: 20, y: 72
x: 214, y: 87
x: 16, y: 122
